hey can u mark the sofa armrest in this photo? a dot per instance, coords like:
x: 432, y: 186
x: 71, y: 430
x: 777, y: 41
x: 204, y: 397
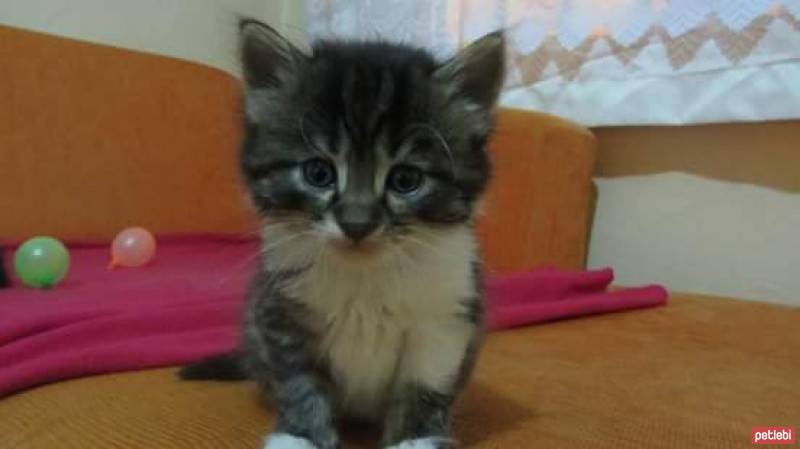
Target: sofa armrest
x: 537, y: 209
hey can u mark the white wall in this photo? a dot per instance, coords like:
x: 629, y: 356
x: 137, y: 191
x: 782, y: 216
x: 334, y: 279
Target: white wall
x: 198, y: 30
x: 697, y: 234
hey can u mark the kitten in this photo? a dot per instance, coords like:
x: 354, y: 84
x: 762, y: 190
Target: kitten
x: 367, y: 161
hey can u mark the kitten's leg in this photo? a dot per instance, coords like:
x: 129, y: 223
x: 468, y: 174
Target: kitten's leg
x: 419, y: 418
x: 280, y: 363
x: 305, y: 416
x: 436, y: 364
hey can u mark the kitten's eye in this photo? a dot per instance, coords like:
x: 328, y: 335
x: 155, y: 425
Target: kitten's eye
x: 405, y: 179
x: 319, y: 173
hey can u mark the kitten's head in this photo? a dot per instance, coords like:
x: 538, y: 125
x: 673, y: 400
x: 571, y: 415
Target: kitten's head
x: 358, y: 143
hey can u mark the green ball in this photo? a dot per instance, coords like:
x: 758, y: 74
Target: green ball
x: 41, y: 262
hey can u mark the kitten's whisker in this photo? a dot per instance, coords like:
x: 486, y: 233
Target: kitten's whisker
x: 283, y: 221
x: 402, y: 267
x: 312, y: 257
x: 274, y: 227
x: 266, y: 248
x: 433, y: 248
x: 246, y: 261
x: 281, y: 228
x: 320, y: 266
x: 246, y: 234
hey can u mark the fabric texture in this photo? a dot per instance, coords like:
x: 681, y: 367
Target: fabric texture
x: 184, y: 305
x: 699, y: 374
x: 602, y: 62
x: 187, y: 305
x: 543, y: 295
x: 129, y: 139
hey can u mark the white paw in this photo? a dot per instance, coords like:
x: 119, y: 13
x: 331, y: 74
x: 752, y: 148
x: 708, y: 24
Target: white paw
x: 419, y: 443
x: 286, y: 441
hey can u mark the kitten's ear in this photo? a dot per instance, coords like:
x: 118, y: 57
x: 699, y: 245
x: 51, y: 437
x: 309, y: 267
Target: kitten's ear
x: 268, y: 59
x: 478, y: 69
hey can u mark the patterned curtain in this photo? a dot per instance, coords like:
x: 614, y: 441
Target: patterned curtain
x: 609, y: 62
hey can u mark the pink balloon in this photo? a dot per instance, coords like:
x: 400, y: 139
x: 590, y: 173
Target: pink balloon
x: 133, y: 247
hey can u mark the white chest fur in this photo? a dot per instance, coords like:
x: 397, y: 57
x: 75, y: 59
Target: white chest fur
x: 374, y: 318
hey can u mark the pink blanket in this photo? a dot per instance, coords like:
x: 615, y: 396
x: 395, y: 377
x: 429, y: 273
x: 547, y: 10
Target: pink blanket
x: 186, y: 305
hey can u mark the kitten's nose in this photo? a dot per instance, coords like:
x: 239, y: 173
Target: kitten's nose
x: 357, y: 231
x: 357, y: 222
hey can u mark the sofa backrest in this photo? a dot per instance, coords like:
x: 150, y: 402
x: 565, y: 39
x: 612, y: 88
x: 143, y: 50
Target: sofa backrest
x: 96, y: 138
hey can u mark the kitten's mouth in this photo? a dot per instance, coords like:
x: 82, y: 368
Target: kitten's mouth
x: 361, y: 248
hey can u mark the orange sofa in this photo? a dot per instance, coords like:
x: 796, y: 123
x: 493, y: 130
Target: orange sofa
x: 94, y: 138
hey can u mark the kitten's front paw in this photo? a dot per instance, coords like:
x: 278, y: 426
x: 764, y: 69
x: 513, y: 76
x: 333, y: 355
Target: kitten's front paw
x: 424, y: 443
x: 286, y: 441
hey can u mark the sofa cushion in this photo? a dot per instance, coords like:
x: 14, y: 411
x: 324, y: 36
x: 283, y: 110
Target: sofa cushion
x: 699, y: 373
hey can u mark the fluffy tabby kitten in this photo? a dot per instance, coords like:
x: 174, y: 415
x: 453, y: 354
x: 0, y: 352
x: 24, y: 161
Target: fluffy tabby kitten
x: 367, y: 161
